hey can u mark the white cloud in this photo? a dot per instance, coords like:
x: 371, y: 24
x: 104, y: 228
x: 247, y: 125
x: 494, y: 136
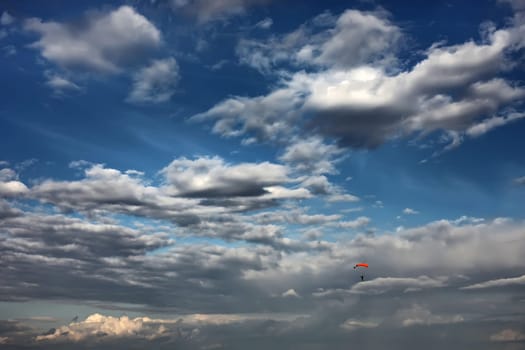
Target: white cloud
x: 12, y: 188
x: 6, y: 19
x: 212, y: 177
x: 508, y: 335
x: 60, y: 85
x: 419, y: 315
x: 100, y: 326
x: 265, y: 23
x: 104, y: 42
x: 491, y: 123
x: 409, y: 211
x: 384, y: 284
x: 290, y: 293
x: 502, y: 282
x: 358, y: 37
x: 453, y: 89
x: 352, y: 325
x: 155, y: 83
x: 352, y: 39
x: 353, y: 224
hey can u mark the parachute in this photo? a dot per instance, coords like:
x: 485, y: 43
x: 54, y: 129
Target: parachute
x: 362, y: 265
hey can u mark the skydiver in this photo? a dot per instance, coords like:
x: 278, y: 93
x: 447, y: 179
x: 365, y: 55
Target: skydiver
x: 362, y: 278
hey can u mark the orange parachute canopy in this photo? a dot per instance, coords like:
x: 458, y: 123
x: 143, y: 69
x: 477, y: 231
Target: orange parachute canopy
x: 361, y: 264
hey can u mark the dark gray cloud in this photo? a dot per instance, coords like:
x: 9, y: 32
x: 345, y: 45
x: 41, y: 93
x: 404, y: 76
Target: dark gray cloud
x: 48, y: 256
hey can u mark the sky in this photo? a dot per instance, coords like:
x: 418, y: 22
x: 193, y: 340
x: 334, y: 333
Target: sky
x: 193, y: 174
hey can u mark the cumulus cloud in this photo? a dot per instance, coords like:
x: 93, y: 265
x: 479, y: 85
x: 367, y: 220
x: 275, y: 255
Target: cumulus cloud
x: 12, y: 188
x: 100, y: 326
x: 7, y: 211
x: 349, y: 40
x: 212, y: 177
x: 155, y: 83
x: 454, y: 89
x: 102, y: 42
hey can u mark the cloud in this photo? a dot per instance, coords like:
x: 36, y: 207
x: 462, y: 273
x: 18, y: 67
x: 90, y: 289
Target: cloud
x: 295, y: 216
x: 100, y: 326
x: 409, y: 211
x: 7, y: 174
x: 362, y: 104
x: 264, y: 118
x: 419, y: 315
x: 12, y: 188
x: 155, y: 83
x: 212, y: 177
x: 502, y: 282
x: 320, y: 185
x: 206, y: 11
x: 520, y: 180
x: 6, y: 211
x: 6, y: 19
x: 384, y: 284
x: 517, y: 5
x: 508, y: 335
x: 353, y: 224
x: 58, y: 83
x: 353, y: 325
x: 102, y: 42
x: 290, y: 293
x: 491, y: 123
x: 312, y: 156
x: 349, y: 40
x: 265, y: 23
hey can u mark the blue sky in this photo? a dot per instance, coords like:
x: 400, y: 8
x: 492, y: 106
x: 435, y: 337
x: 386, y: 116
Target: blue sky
x: 226, y: 163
